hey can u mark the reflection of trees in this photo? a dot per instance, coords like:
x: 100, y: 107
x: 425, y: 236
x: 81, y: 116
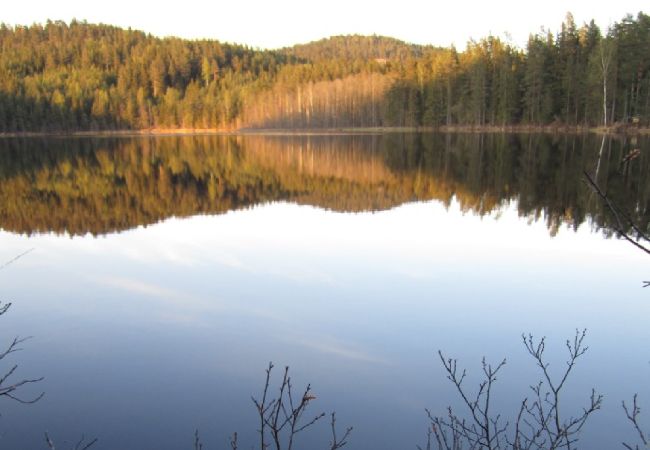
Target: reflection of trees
x: 103, y: 185
x: 542, y: 173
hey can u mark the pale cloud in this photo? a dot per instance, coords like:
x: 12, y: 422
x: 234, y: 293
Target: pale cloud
x: 303, y: 275
x: 333, y: 347
x: 191, y: 306
x: 227, y: 260
x: 141, y: 287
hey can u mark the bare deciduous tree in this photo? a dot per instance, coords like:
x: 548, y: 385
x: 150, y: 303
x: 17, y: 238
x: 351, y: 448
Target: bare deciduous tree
x: 623, y: 220
x: 8, y: 387
x: 540, y: 423
x: 482, y: 430
x: 281, y: 417
x: 606, y: 50
x: 633, y: 416
x: 337, y: 443
x: 79, y: 445
x: 548, y: 428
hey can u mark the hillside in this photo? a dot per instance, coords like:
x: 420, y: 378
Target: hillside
x: 356, y: 47
x: 80, y: 76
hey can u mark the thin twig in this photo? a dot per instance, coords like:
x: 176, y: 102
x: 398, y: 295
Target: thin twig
x: 49, y: 442
x: 282, y: 417
x: 13, y: 260
x: 633, y: 417
x: 9, y: 390
x: 233, y: 441
x: 198, y: 445
x: 619, y: 228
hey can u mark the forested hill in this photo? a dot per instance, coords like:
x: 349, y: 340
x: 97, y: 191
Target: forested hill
x: 357, y: 47
x: 79, y: 76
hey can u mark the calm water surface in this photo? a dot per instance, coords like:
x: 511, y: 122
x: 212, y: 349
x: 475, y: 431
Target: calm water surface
x: 166, y: 273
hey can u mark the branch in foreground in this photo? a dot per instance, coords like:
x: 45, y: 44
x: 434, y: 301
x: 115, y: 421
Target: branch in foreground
x: 540, y: 423
x: 337, y: 443
x: 544, y: 418
x: 80, y: 445
x: 16, y: 258
x: 281, y: 419
x: 620, y: 217
x: 483, y: 429
x: 7, y: 388
x: 633, y: 416
x: 282, y: 416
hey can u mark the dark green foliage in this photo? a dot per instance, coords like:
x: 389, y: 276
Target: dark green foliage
x: 353, y: 48
x: 78, y: 76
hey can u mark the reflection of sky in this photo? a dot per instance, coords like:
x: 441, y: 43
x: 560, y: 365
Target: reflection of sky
x: 147, y: 334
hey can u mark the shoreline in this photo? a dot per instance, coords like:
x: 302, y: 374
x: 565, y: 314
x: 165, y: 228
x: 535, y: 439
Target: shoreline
x: 616, y: 130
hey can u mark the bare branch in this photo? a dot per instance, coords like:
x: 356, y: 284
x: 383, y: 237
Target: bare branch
x: 13, y: 260
x: 9, y: 390
x: 338, y: 443
x: 545, y: 411
x: 617, y: 213
x: 484, y: 431
x: 281, y: 419
x: 539, y: 424
x: 81, y: 445
x: 198, y: 445
x: 233, y: 441
x: 633, y: 416
x: 49, y: 442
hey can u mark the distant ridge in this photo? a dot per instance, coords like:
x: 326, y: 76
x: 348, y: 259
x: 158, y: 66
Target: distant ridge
x: 355, y: 46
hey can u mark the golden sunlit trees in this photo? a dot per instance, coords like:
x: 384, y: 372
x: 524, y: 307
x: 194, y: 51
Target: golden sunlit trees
x: 78, y: 76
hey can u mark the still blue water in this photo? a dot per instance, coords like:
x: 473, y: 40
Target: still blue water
x: 147, y: 333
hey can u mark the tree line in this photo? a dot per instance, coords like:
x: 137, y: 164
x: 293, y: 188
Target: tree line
x: 79, y: 76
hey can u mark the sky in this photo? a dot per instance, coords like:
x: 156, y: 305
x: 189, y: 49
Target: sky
x: 278, y: 23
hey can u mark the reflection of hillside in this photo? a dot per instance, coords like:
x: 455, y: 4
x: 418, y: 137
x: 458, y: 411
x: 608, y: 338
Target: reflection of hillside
x: 103, y: 185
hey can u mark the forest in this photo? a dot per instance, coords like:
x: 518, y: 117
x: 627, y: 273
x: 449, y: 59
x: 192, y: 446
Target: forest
x: 103, y: 185
x: 61, y: 77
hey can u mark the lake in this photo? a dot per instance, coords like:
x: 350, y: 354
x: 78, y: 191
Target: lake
x: 163, y: 274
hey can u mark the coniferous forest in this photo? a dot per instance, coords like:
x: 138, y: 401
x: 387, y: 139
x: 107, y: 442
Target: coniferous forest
x: 80, y: 76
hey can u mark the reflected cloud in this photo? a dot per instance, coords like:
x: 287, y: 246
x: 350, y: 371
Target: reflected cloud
x: 175, y: 298
x: 415, y: 275
x: 140, y: 287
x: 227, y: 260
x: 339, y: 349
x: 171, y: 297
x: 148, y: 250
x: 303, y: 275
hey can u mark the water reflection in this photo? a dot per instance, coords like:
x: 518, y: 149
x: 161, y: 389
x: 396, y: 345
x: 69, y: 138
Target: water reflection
x: 98, y: 186
x: 146, y: 333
